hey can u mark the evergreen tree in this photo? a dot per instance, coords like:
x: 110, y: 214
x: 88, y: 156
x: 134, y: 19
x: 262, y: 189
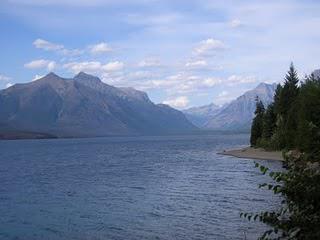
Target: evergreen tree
x: 269, y: 122
x: 289, y: 91
x: 287, y: 107
x: 278, y: 139
x: 309, y: 116
x: 276, y: 99
x: 257, y: 123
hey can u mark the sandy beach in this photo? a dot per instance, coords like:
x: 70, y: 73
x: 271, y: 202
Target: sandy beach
x: 254, y: 153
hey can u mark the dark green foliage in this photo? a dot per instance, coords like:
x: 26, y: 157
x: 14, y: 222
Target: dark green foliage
x: 276, y: 99
x: 292, y: 123
x: 257, y: 124
x: 281, y: 120
x: 287, y: 107
x: 309, y: 116
x: 289, y: 92
x: 299, y: 216
x: 269, y: 122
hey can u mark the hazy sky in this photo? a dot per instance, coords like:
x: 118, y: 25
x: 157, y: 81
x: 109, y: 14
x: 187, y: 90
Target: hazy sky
x: 185, y: 53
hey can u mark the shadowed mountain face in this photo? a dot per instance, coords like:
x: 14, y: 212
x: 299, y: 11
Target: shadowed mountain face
x: 316, y: 73
x: 84, y: 106
x: 201, y: 115
x: 238, y: 114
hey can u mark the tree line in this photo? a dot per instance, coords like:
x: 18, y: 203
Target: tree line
x: 292, y: 124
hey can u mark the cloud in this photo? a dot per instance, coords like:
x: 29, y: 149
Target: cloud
x: 100, y: 48
x: 117, y: 78
x: 209, y: 47
x: 90, y: 67
x: 9, y: 85
x: 235, y: 23
x: 149, y: 62
x: 36, y: 77
x: 113, y: 66
x: 211, y: 81
x: 48, y: 46
x: 223, y: 94
x: 224, y: 97
x: 71, y: 52
x: 59, y: 48
x: 196, y: 64
x: 41, y: 63
x: 237, y: 79
x: 181, y: 83
x: 187, y: 83
x: 178, y: 102
x: 142, y: 75
x: 94, y: 67
x: 4, y: 78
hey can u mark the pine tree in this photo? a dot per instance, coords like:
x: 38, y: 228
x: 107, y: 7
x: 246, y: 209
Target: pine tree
x: 269, y: 123
x: 276, y: 99
x: 287, y: 107
x: 288, y: 92
x: 309, y: 116
x: 257, y: 123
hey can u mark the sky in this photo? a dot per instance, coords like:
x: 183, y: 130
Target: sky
x: 181, y: 52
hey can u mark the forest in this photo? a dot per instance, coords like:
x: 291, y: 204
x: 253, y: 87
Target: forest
x: 291, y: 124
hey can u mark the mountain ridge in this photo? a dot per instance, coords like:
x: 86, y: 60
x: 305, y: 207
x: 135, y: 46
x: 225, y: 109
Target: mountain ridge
x: 236, y: 115
x: 84, y: 106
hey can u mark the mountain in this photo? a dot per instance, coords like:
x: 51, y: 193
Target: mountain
x: 316, y: 73
x: 238, y: 114
x: 84, y: 106
x: 200, y: 115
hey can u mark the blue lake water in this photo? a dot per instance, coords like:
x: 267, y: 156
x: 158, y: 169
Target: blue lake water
x: 168, y: 187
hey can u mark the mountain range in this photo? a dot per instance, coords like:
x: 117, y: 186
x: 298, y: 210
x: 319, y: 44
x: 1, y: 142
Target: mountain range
x: 236, y: 115
x: 83, y: 106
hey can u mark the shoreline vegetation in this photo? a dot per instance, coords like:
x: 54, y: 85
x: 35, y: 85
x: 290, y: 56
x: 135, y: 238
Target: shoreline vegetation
x: 291, y: 124
x: 254, y: 153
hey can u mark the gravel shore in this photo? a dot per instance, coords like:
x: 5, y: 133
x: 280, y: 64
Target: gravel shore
x: 254, y: 153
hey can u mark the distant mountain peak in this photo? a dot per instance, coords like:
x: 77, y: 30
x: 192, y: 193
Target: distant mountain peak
x: 82, y: 76
x: 236, y: 115
x: 262, y: 85
x: 265, y: 85
x: 52, y: 79
x: 200, y: 115
x: 51, y: 75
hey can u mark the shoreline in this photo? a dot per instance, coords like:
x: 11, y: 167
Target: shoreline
x: 253, y: 153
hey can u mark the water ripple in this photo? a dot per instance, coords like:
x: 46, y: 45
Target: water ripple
x: 173, y: 187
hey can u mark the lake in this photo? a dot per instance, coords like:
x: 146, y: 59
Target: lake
x: 162, y: 187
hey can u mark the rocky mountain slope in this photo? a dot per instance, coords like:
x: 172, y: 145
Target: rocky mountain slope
x: 84, y: 106
x: 316, y: 73
x: 237, y: 115
x: 201, y: 115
